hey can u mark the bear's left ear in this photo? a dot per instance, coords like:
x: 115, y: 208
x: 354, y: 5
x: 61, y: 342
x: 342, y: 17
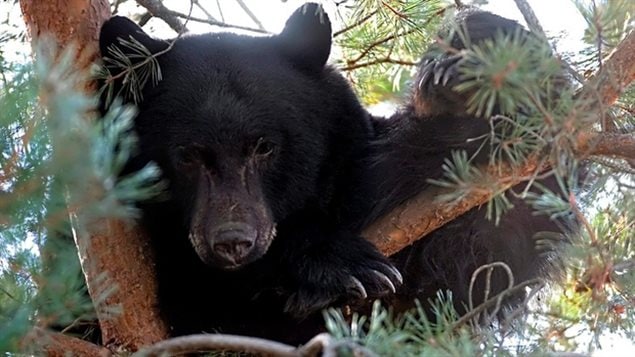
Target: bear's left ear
x: 306, y: 38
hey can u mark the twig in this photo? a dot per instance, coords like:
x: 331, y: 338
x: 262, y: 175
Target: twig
x: 157, y: 9
x: 202, y: 8
x: 217, y: 23
x: 154, y: 55
x: 378, y: 61
x: 355, y: 24
x: 530, y: 17
x: 251, y: 15
x: 490, y: 268
x: 495, y: 299
x: 375, y: 44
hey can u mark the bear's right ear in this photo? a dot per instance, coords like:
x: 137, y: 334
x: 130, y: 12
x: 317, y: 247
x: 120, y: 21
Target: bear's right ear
x: 306, y: 37
x: 119, y: 28
x: 123, y: 44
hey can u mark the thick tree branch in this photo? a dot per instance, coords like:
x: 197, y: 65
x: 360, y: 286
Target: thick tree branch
x: 321, y: 345
x: 605, y: 86
x: 59, y: 345
x: 607, y: 144
x: 423, y: 213
x: 218, y: 342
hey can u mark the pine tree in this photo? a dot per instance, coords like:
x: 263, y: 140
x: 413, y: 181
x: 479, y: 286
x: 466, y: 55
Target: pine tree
x: 58, y: 172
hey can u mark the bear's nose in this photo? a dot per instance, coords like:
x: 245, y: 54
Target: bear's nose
x: 233, y: 242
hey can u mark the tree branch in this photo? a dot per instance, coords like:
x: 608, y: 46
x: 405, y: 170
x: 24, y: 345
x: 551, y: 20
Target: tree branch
x: 219, y: 342
x: 355, y: 24
x: 320, y: 345
x: 423, y: 213
x: 607, y: 144
x: 217, y: 23
x: 530, y: 17
x: 157, y: 9
x: 251, y: 15
x: 378, y: 61
x: 59, y: 345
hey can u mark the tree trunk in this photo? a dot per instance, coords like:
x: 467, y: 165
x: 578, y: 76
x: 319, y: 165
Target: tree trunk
x: 114, y: 248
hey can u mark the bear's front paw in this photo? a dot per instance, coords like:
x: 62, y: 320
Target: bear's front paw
x: 439, y: 72
x: 341, y: 275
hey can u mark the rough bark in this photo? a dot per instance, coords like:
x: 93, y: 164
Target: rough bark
x: 422, y: 214
x: 60, y: 345
x: 114, y: 248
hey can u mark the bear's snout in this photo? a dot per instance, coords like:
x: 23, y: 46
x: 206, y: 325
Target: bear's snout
x: 233, y: 241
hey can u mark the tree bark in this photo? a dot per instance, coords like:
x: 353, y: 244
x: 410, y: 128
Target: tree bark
x: 111, y: 247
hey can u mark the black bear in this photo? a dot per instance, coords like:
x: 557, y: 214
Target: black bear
x: 273, y: 168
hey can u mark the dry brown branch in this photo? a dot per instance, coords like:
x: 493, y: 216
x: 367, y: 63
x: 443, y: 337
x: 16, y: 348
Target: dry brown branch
x: 59, y: 345
x: 423, y: 214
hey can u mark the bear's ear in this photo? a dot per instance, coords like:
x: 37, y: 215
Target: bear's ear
x: 119, y: 28
x: 123, y: 45
x: 306, y: 38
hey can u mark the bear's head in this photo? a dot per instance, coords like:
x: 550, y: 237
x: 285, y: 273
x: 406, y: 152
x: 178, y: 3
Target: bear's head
x: 242, y: 127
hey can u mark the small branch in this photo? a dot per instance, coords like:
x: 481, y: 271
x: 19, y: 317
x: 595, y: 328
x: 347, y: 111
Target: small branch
x: 217, y: 23
x: 530, y: 17
x: 157, y: 9
x: 375, y: 44
x: 494, y: 300
x: 355, y: 24
x: 251, y: 15
x: 55, y: 344
x: 204, y: 10
x: 378, y: 61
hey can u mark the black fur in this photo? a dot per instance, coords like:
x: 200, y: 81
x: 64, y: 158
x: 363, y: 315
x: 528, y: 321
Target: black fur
x: 258, y: 137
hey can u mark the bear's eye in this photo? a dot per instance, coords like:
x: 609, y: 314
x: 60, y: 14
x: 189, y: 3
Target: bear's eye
x: 264, y: 147
x: 186, y: 156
